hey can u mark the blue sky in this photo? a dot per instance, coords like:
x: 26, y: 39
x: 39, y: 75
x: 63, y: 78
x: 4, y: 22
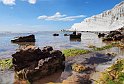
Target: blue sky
x: 48, y: 15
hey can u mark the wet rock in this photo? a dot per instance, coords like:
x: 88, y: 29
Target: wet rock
x: 74, y: 35
x: 116, y: 35
x: 23, y: 58
x: 33, y: 64
x: 74, y: 79
x: 111, y: 54
x: 66, y: 34
x: 75, y: 39
x: 30, y: 38
x: 107, y: 39
x: 47, y: 48
x: 55, y: 34
x: 78, y: 67
x: 101, y: 35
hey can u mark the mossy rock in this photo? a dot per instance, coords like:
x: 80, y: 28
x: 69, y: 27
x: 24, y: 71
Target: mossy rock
x: 78, y: 67
x: 103, y: 48
x: 111, y: 54
x: 114, y: 74
x: 121, y: 45
x: 91, y: 46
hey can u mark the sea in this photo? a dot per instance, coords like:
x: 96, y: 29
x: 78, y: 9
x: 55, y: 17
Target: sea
x: 46, y: 38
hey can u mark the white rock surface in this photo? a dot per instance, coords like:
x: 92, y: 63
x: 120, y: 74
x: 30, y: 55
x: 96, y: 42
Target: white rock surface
x: 106, y: 21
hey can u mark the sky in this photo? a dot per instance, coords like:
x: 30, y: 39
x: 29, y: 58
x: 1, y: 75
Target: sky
x: 48, y: 15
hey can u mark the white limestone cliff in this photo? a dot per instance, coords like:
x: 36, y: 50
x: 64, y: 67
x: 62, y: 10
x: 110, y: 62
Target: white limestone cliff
x: 106, y: 21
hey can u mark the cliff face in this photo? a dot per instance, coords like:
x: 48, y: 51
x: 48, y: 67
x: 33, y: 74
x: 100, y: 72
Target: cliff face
x: 106, y: 21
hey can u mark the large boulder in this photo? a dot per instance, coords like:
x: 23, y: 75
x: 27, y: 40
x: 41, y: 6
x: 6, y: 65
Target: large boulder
x: 33, y: 64
x: 30, y: 38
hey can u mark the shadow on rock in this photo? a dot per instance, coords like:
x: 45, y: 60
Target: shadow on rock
x: 98, y: 58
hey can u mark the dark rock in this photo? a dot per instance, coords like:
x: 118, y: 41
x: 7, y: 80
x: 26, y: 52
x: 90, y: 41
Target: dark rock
x: 47, y: 48
x: 114, y: 36
x: 101, y: 35
x: 55, y: 34
x: 79, y: 34
x: 66, y: 34
x: 115, y: 32
x: 75, y: 39
x: 75, y: 36
x: 33, y: 64
x: 107, y: 39
x: 118, y: 37
x: 30, y: 38
x: 74, y: 33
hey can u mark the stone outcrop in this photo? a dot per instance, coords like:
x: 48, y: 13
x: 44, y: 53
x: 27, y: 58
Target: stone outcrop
x: 101, y: 35
x: 116, y: 35
x: 106, y: 21
x: 75, y: 36
x: 33, y: 64
x: 30, y: 38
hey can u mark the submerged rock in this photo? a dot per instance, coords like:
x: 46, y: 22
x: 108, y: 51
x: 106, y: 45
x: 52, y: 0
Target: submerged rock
x: 78, y: 67
x: 66, y: 34
x: 55, y: 34
x: 74, y: 79
x: 33, y: 64
x: 30, y: 38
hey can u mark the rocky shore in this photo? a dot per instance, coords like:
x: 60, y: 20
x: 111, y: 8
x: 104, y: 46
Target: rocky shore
x: 33, y: 64
x: 116, y: 35
x: 69, y: 66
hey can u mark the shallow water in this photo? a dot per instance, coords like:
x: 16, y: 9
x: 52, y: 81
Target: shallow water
x: 46, y: 39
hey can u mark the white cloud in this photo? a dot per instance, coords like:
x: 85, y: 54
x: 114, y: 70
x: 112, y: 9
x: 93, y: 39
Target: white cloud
x: 32, y: 1
x: 12, y: 2
x: 60, y: 17
x: 8, y: 2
